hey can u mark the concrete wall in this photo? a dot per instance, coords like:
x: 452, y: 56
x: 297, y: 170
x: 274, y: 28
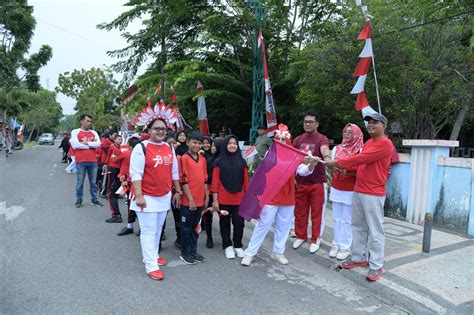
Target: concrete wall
x: 428, y: 180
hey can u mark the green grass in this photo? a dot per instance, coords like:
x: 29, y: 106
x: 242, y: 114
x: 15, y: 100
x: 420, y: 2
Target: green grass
x: 29, y: 145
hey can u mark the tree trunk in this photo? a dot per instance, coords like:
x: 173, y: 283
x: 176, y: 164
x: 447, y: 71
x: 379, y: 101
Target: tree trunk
x: 31, y: 133
x: 460, y: 119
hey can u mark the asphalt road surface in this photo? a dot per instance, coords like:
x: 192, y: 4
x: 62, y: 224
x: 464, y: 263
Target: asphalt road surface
x: 59, y: 259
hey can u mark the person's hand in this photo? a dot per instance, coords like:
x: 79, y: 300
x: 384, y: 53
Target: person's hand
x: 215, y: 205
x: 177, y: 200
x: 192, y: 205
x: 206, y: 202
x: 104, y: 167
x: 343, y: 171
x: 141, y: 202
x: 314, y: 162
x: 331, y: 163
x: 307, y: 160
x: 122, y: 178
x: 124, y: 183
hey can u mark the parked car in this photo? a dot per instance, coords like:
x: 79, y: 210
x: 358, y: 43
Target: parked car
x: 46, y: 138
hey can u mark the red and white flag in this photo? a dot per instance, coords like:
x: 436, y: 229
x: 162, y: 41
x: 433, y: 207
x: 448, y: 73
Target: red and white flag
x: 250, y: 152
x: 202, y: 113
x: 270, y: 112
x: 173, y: 94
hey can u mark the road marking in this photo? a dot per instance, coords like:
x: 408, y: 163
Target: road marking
x: 10, y: 213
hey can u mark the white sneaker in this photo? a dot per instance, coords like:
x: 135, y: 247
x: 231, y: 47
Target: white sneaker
x: 229, y: 253
x: 246, y: 260
x: 334, y: 251
x: 280, y: 258
x: 343, y: 254
x: 297, y: 243
x: 240, y: 252
x: 313, y: 248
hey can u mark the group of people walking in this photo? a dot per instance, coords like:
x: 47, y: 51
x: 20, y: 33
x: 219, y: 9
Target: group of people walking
x: 195, y: 176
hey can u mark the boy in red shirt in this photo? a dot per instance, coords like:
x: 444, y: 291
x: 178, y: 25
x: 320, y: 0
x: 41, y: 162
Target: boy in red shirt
x: 369, y: 197
x: 113, y: 167
x: 193, y: 169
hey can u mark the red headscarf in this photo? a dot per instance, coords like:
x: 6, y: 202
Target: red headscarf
x: 351, y: 146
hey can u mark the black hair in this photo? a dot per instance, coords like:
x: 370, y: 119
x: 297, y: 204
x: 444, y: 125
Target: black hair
x: 195, y: 135
x: 84, y: 116
x: 176, y: 135
x: 313, y: 113
x: 133, y: 141
x: 168, y: 136
x: 153, y: 121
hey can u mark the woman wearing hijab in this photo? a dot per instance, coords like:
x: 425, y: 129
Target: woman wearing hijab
x: 182, y: 147
x: 153, y: 171
x: 342, y: 188
x: 210, y: 160
x: 229, y: 183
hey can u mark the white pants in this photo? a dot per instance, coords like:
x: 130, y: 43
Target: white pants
x: 71, y: 168
x: 342, y: 225
x: 283, y: 216
x: 151, y: 224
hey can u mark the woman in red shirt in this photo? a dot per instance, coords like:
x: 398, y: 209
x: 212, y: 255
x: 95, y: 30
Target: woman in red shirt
x: 229, y: 183
x: 342, y: 189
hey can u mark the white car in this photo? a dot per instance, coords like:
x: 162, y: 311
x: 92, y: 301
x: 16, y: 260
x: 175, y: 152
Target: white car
x: 46, y: 138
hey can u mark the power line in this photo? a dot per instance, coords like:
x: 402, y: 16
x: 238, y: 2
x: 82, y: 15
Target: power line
x: 425, y: 23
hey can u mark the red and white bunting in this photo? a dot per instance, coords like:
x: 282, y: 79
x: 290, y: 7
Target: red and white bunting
x: 270, y: 112
x: 202, y: 112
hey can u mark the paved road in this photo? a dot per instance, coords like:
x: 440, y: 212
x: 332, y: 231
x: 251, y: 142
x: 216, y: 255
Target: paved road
x: 57, y: 259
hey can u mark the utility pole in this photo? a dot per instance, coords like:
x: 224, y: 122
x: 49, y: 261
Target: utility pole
x: 258, y: 95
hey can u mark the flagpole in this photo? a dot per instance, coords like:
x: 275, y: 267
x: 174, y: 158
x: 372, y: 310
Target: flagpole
x: 376, y: 85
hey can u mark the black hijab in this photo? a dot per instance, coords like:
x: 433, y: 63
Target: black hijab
x: 231, y: 166
x: 212, y: 159
x: 182, y: 148
x: 207, y: 154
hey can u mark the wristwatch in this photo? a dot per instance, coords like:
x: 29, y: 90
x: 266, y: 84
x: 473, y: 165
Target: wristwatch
x: 179, y: 192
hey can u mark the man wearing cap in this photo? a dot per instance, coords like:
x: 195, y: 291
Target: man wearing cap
x: 262, y: 144
x: 373, y: 166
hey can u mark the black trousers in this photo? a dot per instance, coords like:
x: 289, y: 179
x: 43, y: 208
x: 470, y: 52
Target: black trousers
x: 114, y: 185
x: 132, y: 215
x: 177, y: 221
x: 99, y: 177
x: 207, y: 220
x: 237, y: 222
x: 189, y: 237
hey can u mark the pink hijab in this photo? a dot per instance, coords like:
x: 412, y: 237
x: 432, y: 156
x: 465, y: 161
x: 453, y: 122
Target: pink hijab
x: 351, y: 146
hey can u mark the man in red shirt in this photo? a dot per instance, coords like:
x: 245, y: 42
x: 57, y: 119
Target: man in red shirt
x: 84, y: 141
x: 373, y: 166
x: 113, y: 170
x: 311, y: 190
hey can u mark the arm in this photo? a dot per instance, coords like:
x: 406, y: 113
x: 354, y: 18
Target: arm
x: 246, y: 179
x: 369, y: 155
x: 325, y: 152
x: 75, y: 143
x: 96, y: 143
x: 215, y: 187
x: 175, y: 177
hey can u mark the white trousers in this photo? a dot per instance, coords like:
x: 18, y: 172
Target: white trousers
x: 71, y: 168
x: 282, y: 216
x: 342, y: 225
x: 151, y: 224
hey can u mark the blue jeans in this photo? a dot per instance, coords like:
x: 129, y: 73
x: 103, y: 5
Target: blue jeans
x: 91, y: 169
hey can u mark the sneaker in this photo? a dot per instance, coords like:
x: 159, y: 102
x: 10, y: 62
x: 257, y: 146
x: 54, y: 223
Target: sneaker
x: 103, y: 196
x: 349, y: 264
x: 343, y: 254
x: 177, y: 244
x: 240, y: 252
x: 199, y: 258
x: 297, y: 243
x: 78, y: 204
x: 156, y: 275
x: 162, y: 261
x: 292, y: 233
x: 188, y: 259
x: 333, y: 252
x: 116, y: 219
x: 246, y: 260
x: 374, y: 275
x: 210, y: 242
x: 313, y: 248
x: 280, y: 258
x: 229, y: 253
x: 125, y: 231
x: 97, y: 203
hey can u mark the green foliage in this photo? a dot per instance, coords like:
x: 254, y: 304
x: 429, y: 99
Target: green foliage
x: 44, y: 111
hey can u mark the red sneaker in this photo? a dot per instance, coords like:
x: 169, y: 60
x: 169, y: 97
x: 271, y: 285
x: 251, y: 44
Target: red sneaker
x: 374, y: 275
x: 349, y: 264
x: 162, y: 261
x: 156, y: 275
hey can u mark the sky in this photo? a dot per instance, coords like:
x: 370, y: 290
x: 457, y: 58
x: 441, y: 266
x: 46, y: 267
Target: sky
x: 69, y: 27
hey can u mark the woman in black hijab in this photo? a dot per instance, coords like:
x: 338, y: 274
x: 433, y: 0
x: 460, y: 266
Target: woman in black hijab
x: 229, y: 183
x: 182, y: 147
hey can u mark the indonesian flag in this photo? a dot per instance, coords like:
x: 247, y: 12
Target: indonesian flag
x: 280, y: 163
x: 158, y: 89
x: 202, y: 113
x: 250, y: 152
x: 173, y: 94
x: 270, y: 112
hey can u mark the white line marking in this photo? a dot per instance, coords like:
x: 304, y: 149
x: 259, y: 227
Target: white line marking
x: 10, y: 213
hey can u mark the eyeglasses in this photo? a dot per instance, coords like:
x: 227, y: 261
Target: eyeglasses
x: 158, y: 129
x: 309, y: 122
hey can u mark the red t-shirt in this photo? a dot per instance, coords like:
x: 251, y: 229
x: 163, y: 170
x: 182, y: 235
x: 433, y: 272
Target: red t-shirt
x: 124, y: 160
x: 286, y: 194
x: 225, y: 197
x: 112, y: 155
x: 344, y: 182
x: 314, y: 143
x: 104, y: 146
x: 86, y: 155
x: 157, y: 177
x: 71, y: 151
x: 373, y: 166
x: 194, y: 174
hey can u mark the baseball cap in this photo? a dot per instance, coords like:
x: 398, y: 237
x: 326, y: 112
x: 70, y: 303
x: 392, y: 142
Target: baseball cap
x: 376, y: 116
